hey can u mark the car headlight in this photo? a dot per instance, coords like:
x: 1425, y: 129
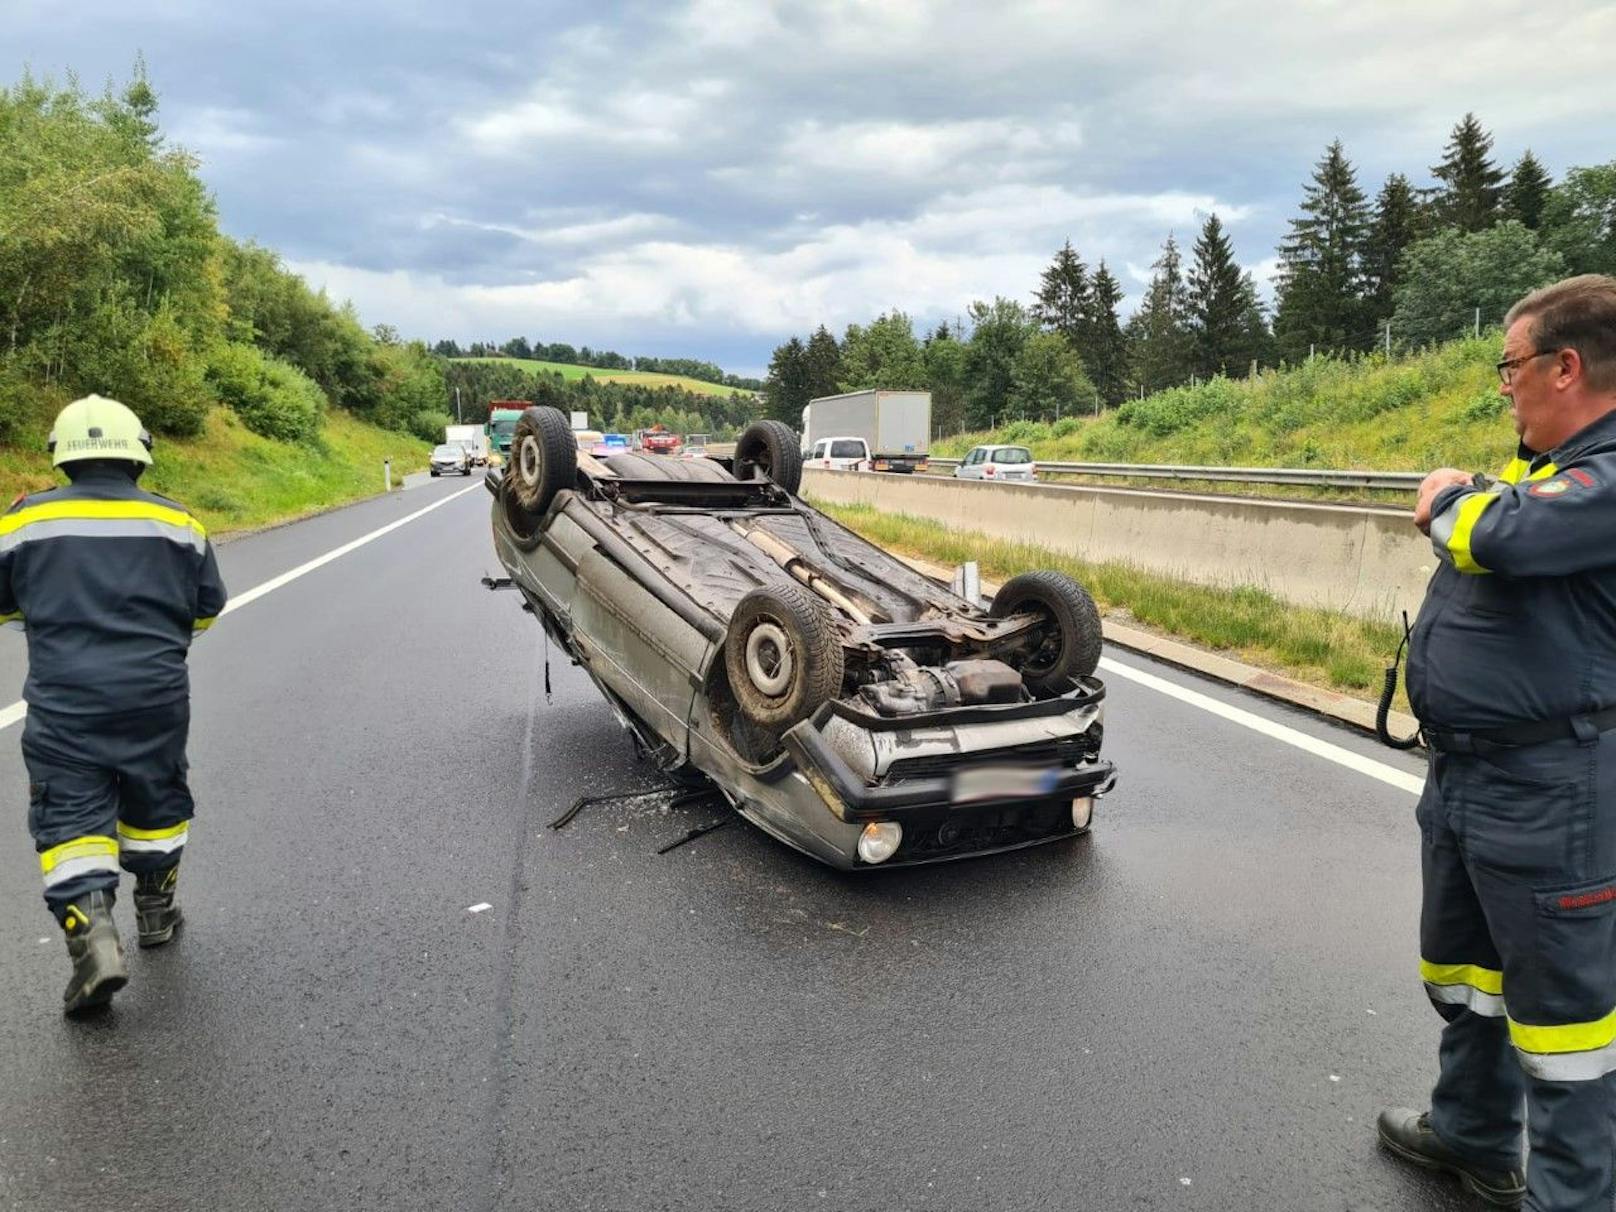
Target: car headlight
x: 879, y: 841
x: 1082, y: 811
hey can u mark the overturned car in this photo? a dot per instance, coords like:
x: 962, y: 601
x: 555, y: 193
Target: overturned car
x: 839, y: 700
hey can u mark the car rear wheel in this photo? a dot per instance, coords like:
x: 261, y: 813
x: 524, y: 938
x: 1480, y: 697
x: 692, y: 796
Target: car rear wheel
x: 544, y: 458
x: 769, y: 448
x: 1069, y: 642
x: 783, y: 655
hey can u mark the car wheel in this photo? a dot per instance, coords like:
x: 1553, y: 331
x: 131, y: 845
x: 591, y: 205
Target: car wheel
x: 769, y: 447
x: 1070, y: 641
x: 783, y: 655
x: 544, y: 458
x: 434, y: 473
x: 523, y: 526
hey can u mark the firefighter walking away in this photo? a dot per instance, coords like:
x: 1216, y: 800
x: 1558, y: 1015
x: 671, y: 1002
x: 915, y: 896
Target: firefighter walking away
x: 110, y: 583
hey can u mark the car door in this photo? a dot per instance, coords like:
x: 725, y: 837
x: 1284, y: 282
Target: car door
x: 970, y: 466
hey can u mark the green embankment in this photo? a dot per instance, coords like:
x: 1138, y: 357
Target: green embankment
x: 1437, y: 408
x: 1432, y: 409
x: 232, y: 479
x: 644, y: 378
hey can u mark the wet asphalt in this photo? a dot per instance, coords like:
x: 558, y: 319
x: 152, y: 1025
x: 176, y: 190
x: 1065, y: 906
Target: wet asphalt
x: 1201, y: 1005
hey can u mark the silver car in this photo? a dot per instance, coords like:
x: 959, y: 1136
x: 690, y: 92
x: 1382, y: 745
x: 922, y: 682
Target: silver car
x: 839, y: 700
x: 1012, y: 463
x: 451, y: 456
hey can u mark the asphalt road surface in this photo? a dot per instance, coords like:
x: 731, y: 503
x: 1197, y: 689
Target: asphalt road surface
x: 1202, y: 1005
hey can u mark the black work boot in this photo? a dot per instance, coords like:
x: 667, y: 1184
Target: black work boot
x: 96, y: 951
x: 1408, y: 1134
x: 157, y: 915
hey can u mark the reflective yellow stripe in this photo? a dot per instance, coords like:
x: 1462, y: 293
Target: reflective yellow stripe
x: 99, y: 511
x: 152, y: 835
x: 1459, y: 541
x: 1514, y: 470
x: 1544, y: 472
x: 1484, y: 979
x: 92, y: 846
x: 1566, y: 1037
x: 203, y: 624
x: 12, y: 617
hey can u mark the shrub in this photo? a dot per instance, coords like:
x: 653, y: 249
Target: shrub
x: 272, y: 398
x: 429, y: 426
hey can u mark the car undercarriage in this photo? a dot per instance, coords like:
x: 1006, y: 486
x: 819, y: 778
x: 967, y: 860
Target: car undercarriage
x: 843, y: 702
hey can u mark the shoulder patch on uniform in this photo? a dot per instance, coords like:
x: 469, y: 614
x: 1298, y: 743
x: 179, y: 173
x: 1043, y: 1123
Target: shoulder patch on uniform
x: 1556, y: 487
x: 1582, y: 477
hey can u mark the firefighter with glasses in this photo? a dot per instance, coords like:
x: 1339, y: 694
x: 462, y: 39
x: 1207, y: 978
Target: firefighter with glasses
x: 110, y: 583
x: 1512, y: 673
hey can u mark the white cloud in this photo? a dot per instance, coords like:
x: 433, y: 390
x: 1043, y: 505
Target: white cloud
x: 217, y: 133
x: 633, y: 117
x: 559, y: 231
x: 925, y: 152
x: 932, y: 265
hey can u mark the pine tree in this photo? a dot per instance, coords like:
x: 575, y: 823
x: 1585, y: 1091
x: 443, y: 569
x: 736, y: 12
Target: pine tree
x: 1528, y: 191
x: 1471, y: 183
x: 1222, y: 300
x: 1397, y: 224
x: 1107, y: 359
x: 822, y: 364
x: 785, y: 391
x: 1158, y: 333
x: 1064, y: 297
x: 1321, y: 263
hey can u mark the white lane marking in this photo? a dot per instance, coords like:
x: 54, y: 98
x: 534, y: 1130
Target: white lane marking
x: 15, y: 712
x: 1330, y: 753
x: 479, y: 907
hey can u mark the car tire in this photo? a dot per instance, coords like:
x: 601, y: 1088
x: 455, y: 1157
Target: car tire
x: 770, y: 448
x: 525, y: 532
x: 783, y: 655
x: 543, y: 460
x: 1073, y: 650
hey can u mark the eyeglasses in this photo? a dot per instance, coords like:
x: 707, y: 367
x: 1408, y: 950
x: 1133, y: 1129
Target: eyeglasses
x: 1508, y: 367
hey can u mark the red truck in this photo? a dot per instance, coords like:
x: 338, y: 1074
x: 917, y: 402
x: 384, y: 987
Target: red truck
x: 660, y: 441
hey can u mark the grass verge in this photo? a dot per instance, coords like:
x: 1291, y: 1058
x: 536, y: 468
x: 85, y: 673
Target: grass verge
x: 645, y: 378
x: 1320, y: 647
x: 232, y: 479
x: 1412, y: 412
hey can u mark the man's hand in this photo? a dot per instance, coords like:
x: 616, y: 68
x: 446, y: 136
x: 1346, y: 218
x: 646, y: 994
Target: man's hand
x: 1434, y: 483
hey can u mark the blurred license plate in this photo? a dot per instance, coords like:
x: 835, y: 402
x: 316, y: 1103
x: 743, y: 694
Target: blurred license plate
x: 1001, y: 782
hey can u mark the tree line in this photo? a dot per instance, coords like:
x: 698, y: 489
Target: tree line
x: 1416, y: 266
x: 115, y: 278
x: 597, y: 359
x: 611, y: 407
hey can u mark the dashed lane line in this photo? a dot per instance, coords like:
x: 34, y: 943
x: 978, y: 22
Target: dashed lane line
x: 10, y: 715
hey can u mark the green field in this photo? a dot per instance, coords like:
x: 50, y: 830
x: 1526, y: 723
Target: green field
x: 1430, y: 409
x: 232, y: 479
x: 643, y: 377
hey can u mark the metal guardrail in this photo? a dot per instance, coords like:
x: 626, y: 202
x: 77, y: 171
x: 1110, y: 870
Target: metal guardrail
x: 1406, y: 481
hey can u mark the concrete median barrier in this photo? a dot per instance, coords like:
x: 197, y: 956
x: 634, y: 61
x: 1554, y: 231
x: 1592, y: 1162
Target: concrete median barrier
x: 1368, y: 562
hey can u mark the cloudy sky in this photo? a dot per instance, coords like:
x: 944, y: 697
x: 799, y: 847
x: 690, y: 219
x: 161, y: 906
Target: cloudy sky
x: 707, y: 177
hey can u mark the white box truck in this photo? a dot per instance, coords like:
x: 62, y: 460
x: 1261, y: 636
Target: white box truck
x: 472, y: 438
x: 894, y: 427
